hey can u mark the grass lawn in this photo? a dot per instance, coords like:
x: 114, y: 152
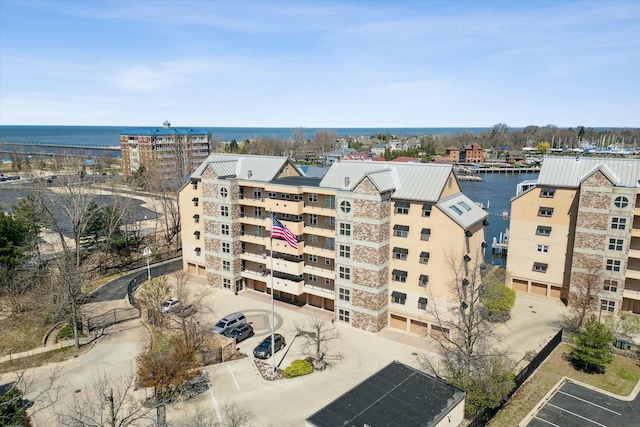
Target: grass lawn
x: 41, y: 359
x: 21, y: 332
x: 620, y: 378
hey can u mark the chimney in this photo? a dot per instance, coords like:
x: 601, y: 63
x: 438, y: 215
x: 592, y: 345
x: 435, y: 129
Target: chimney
x: 249, y: 174
x: 346, y: 181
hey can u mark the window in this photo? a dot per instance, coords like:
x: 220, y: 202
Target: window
x: 312, y: 238
x: 226, y: 283
x: 422, y: 303
x: 540, y: 267
x: 616, y: 244
x: 465, y: 206
x: 345, y: 229
x: 330, y: 201
x: 399, y: 276
x: 194, y: 184
x: 327, y: 281
x: 257, y: 231
x: 542, y: 249
x: 456, y: 209
x: 241, y: 211
x: 226, y: 248
x: 312, y: 197
x: 285, y: 216
x: 621, y: 202
x: 312, y: 277
x: 618, y: 223
x: 545, y: 211
x: 196, y: 218
x: 543, y: 230
x: 345, y: 251
x: 224, y: 210
x: 345, y: 206
x: 329, y: 243
x: 224, y: 192
x: 257, y: 193
x: 424, y: 257
x: 423, y: 281
x: 610, y: 286
x: 329, y: 220
x: 607, y: 305
x: 398, y: 297
x: 197, y: 234
x: 195, y: 201
x: 272, y: 194
x: 327, y: 261
x: 345, y: 273
x: 257, y: 211
x: 285, y: 196
x: 344, y: 294
x: 312, y: 219
x: 312, y: 258
x: 425, y: 234
x: 224, y: 229
x: 400, y: 253
x: 226, y: 265
x: 401, y: 230
x: 547, y: 192
x: 343, y: 315
x: 402, y: 208
x: 297, y: 197
x: 198, y: 251
x: 426, y: 210
x: 613, y: 265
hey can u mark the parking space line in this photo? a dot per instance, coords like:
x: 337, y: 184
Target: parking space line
x: 590, y: 403
x: 545, y: 421
x: 576, y: 415
x: 234, y: 377
x: 215, y: 402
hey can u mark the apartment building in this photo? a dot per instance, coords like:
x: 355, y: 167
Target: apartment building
x: 581, y: 221
x: 174, y: 151
x: 373, y: 236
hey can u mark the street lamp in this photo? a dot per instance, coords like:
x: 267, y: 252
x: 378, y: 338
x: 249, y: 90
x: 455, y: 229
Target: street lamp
x: 147, y: 254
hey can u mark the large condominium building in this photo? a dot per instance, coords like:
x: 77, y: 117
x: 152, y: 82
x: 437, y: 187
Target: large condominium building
x: 173, y: 152
x: 579, y: 223
x: 374, y: 237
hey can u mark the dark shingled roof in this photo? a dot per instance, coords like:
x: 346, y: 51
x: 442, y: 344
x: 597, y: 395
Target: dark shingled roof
x: 397, y: 395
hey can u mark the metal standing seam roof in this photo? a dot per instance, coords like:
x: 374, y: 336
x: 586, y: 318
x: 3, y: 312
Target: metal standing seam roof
x: 162, y: 131
x: 412, y: 181
x: 262, y: 168
x: 470, y: 212
x: 571, y: 171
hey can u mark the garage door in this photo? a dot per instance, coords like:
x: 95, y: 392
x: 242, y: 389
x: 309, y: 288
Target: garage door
x: 438, y: 332
x: 555, y: 292
x: 191, y: 268
x: 315, y: 301
x: 418, y: 327
x: 538, y: 289
x: 398, y: 322
x: 202, y: 271
x: 519, y: 285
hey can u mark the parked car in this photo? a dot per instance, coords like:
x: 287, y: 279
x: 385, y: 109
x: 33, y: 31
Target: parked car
x: 229, y: 322
x: 240, y: 333
x: 263, y: 350
x: 170, y: 305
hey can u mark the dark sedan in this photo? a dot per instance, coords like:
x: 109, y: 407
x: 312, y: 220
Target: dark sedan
x: 263, y: 350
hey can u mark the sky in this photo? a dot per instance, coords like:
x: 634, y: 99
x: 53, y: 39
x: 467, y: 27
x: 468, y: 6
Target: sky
x: 320, y: 63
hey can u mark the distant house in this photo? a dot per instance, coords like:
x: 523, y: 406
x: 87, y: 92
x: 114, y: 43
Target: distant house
x: 397, y: 395
x: 515, y: 157
x: 356, y: 156
x: 379, y: 149
x: 472, y: 154
x: 453, y: 154
x: 405, y: 159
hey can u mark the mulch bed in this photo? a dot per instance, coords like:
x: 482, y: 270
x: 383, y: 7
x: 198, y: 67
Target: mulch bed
x: 266, y: 371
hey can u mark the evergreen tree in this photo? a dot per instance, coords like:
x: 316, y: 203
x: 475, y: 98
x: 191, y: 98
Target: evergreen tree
x: 592, y: 348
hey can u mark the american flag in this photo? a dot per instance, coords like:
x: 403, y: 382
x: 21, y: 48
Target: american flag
x: 279, y: 231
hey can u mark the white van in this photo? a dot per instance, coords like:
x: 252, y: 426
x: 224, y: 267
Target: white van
x: 228, y: 322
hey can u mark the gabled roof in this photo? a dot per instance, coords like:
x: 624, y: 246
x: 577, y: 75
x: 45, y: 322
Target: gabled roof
x: 261, y: 168
x: 571, y: 171
x: 412, y: 181
x: 397, y: 395
x: 404, y: 159
x: 462, y: 210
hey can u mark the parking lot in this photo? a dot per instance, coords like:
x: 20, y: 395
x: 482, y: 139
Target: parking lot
x: 574, y: 405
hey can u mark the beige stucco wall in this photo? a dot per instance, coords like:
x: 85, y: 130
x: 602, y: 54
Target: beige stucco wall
x: 189, y: 227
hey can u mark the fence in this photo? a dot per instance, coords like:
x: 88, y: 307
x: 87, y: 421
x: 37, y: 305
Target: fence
x: 154, y: 271
x: 112, y: 317
x: 484, y: 416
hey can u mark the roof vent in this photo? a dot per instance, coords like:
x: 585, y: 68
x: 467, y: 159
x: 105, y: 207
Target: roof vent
x: 578, y: 158
x: 167, y: 124
x: 249, y: 173
x: 346, y: 181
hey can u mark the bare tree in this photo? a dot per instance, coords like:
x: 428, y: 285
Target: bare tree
x: 586, y: 284
x: 318, y: 336
x: 109, y: 402
x: 191, y: 331
x: 324, y: 140
x: 469, y: 355
x: 152, y: 295
x: 237, y: 416
x: 68, y: 293
x: 21, y: 397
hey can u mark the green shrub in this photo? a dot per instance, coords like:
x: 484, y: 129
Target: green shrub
x: 65, y: 333
x: 298, y: 368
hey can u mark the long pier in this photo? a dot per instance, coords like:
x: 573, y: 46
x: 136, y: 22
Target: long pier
x: 81, y: 150
x: 506, y: 170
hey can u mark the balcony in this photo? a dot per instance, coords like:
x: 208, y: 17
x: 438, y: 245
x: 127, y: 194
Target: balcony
x: 296, y: 227
x: 321, y: 291
x: 252, y: 201
x: 283, y: 246
x: 320, y: 251
x: 319, y: 209
x: 635, y: 232
x: 631, y: 293
x: 634, y: 253
x: 290, y: 207
x: 255, y: 257
x: 291, y: 267
x: 320, y: 230
x: 633, y: 274
x: 320, y: 272
x: 251, y: 238
x: 253, y: 220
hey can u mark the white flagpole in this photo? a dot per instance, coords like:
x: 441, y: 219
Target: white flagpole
x: 273, y: 341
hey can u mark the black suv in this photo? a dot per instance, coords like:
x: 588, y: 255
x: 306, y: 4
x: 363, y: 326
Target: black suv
x: 263, y: 350
x: 240, y: 333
